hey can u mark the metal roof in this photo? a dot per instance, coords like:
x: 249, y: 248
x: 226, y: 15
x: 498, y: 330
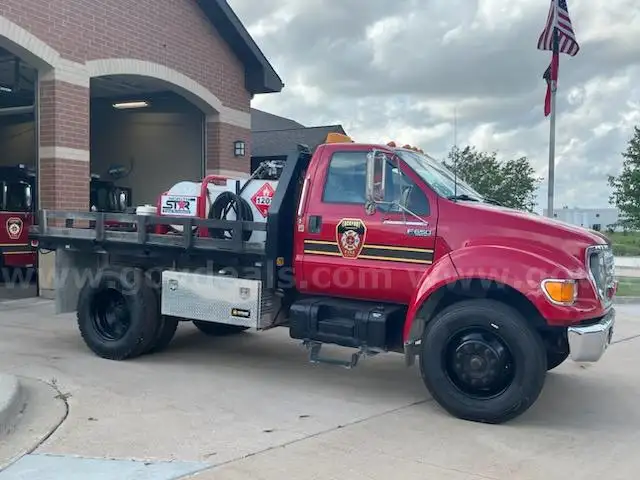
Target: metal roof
x: 262, y: 121
x: 272, y: 143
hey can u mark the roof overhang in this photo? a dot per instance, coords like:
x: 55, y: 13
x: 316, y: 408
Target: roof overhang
x: 260, y: 76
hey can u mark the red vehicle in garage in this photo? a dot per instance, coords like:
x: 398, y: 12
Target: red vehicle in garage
x: 17, y: 191
x: 370, y: 247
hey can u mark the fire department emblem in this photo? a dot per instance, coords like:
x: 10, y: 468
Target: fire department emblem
x: 262, y: 199
x: 350, y: 235
x: 14, y: 228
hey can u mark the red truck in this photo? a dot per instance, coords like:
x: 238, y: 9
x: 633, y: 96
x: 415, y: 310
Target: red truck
x: 374, y: 248
x: 17, y: 192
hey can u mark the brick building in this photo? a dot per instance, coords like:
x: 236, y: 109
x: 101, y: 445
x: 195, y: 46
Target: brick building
x: 70, y: 70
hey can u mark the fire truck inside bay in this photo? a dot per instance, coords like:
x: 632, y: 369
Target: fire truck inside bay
x: 17, y: 201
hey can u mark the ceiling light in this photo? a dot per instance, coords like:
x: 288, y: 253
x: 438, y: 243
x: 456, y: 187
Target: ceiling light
x: 123, y: 105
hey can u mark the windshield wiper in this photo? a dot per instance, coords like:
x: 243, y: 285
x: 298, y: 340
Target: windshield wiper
x: 463, y: 197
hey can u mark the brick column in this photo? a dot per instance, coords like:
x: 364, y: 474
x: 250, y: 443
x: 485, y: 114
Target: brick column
x: 64, y: 171
x: 220, y: 158
x: 64, y: 146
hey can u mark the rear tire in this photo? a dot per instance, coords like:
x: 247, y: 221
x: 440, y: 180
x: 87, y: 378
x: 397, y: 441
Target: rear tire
x: 482, y: 362
x: 167, y: 325
x: 166, y: 332
x: 118, y: 314
x: 218, y: 329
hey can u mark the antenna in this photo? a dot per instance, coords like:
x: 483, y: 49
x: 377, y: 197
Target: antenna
x: 455, y: 149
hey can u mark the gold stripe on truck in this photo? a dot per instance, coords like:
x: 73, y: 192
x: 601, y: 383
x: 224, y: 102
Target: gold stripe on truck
x: 389, y: 253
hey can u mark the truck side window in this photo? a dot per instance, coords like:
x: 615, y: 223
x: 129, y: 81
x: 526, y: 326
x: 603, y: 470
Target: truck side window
x: 346, y: 178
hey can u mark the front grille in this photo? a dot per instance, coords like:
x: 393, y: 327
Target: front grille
x: 601, y: 265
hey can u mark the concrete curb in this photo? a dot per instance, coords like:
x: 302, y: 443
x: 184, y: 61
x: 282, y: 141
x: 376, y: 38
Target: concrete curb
x: 12, y: 402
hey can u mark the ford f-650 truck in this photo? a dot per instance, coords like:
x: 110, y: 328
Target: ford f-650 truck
x: 370, y: 247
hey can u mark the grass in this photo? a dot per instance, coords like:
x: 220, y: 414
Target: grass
x: 628, y: 287
x: 625, y: 244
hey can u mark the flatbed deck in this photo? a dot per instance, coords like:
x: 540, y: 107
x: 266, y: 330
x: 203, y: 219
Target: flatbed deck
x: 92, y: 231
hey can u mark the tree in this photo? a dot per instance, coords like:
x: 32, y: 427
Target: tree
x: 512, y: 183
x: 626, y: 186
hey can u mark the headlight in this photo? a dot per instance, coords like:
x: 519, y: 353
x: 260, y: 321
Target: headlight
x: 601, y: 265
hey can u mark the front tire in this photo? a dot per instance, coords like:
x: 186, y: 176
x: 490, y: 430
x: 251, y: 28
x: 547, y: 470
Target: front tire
x: 482, y: 362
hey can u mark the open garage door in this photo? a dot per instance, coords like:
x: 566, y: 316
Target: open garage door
x: 144, y: 140
x: 18, y: 167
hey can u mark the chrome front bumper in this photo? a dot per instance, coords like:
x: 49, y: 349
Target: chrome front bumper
x: 588, y: 343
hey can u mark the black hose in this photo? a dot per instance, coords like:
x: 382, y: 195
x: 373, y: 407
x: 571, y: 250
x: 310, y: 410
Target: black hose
x: 226, y: 202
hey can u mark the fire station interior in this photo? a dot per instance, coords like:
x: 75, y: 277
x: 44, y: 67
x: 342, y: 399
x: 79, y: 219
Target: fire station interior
x: 145, y: 138
x: 17, y: 115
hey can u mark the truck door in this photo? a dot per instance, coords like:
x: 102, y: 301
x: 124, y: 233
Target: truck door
x: 347, y: 252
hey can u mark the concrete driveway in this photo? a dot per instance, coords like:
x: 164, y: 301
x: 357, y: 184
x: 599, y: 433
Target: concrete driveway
x: 252, y: 407
x: 17, y: 284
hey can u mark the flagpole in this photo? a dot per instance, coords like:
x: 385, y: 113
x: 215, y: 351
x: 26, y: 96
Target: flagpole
x: 552, y: 150
x: 553, y: 78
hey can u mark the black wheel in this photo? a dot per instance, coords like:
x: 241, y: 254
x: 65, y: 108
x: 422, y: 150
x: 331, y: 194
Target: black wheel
x: 556, y: 358
x: 118, y: 314
x: 482, y: 362
x: 218, y: 329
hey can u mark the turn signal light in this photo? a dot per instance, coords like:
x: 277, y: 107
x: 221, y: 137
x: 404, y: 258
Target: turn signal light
x: 406, y: 146
x: 338, y: 138
x: 561, y: 291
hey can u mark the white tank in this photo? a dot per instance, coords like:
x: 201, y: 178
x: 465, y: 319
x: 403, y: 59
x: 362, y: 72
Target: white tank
x: 258, y: 196
x: 188, y: 193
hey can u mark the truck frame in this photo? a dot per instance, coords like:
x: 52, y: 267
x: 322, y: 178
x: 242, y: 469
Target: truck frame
x: 484, y: 346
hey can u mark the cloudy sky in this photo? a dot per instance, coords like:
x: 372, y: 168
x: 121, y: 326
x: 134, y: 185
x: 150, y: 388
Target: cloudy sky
x: 399, y: 69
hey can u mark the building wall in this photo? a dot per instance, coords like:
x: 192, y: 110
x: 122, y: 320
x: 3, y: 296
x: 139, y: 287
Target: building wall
x: 587, y: 217
x: 166, y: 32
x: 169, y: 38
x: 72, y: 41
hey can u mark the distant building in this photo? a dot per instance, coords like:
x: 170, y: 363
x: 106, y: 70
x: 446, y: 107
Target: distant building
x: 274, y: 137
x: 596, y: 218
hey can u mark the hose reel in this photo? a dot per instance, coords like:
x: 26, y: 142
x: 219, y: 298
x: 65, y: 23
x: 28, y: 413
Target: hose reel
x: 222, y: 206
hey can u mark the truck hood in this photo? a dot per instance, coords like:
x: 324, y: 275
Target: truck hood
x: 493, y: 225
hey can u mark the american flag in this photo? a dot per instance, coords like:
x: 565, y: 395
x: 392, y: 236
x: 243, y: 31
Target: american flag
x: 559, y: 17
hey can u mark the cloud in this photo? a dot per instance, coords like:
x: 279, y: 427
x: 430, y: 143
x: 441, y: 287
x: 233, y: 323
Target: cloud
x: 402, y: 70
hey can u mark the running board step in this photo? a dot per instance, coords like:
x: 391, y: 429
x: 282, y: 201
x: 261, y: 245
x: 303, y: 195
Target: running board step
x: 314, y: 355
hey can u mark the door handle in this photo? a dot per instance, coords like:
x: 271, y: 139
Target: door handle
x: 315, y: 223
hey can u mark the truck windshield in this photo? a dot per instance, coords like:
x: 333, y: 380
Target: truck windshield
x: 438, y: 177
x: 16, y: 196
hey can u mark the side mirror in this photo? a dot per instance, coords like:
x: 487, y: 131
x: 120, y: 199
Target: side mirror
x: 123, y: 200
x: 27, y: 196
x: 374, y: 194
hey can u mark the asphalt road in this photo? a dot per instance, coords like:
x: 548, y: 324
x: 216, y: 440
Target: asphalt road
x: 252, y: 407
